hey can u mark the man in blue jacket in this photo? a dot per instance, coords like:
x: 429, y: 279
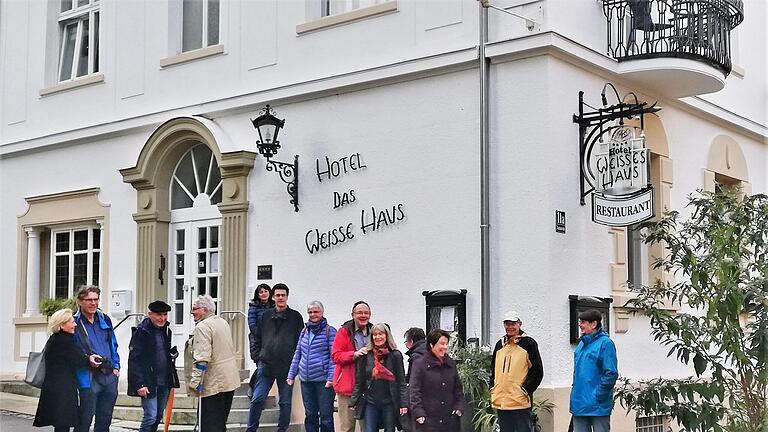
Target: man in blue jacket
x: 594, y: 375
x: 151, y: 370
x: 94, y: 334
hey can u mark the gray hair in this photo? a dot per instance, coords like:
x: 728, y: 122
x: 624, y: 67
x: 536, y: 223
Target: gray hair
x: 205, y: 302
x: 84, y: 290
x: 315, y: 303
x: 382, y: 328
x: 58, y: 318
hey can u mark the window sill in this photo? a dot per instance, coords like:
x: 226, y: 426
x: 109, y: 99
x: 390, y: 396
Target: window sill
x: 73, y: 84
x: 347, y: 17
x: 620, y: 302
x: 31, y: 321
x: 192, y: 55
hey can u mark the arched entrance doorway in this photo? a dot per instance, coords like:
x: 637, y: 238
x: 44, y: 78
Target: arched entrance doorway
x: 192, y: 205
x: 194, y: 242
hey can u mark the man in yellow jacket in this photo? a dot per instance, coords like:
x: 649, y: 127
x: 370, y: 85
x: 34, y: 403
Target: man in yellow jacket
x: 515, y: 375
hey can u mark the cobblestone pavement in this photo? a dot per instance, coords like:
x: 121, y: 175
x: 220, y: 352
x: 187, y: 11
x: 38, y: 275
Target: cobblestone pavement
x: 17, y: 422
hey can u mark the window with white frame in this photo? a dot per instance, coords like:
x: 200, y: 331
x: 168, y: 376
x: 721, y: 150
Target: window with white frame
x: 79, y: 30
x: 334, y: 7
x: 199, y: 24
x: 75, y: 259
x: 651, y: 424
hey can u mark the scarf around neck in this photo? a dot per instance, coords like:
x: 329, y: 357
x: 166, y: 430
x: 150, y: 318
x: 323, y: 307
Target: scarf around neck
x: 379, y: 370
x: 317, y: 327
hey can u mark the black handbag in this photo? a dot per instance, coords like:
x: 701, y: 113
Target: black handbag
x: 35, y: 374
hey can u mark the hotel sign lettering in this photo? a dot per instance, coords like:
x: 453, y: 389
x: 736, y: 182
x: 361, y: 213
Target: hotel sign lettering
x: 623, y: 194
x: 622, y: 211
x: 614, y: 163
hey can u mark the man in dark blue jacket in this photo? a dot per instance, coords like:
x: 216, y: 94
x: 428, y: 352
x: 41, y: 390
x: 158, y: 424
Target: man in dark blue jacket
x: 272, y: 350
x: 593, y: 362
x: 151, y: 369
x: 94, y: 334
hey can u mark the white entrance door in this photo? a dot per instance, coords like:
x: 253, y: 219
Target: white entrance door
x: 195, y: 270
x: 194, y: 243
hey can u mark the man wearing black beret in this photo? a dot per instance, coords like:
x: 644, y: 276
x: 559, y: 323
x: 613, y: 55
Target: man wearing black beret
x: 151, y: 369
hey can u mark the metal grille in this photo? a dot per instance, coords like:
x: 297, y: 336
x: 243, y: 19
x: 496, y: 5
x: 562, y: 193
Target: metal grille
x: 649, y: 424
x: 696, y: 29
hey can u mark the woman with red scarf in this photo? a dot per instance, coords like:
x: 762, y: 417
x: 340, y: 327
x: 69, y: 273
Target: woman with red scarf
x: 380, y: 395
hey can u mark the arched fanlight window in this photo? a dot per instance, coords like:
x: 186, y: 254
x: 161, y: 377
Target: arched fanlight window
x: 196, y: 180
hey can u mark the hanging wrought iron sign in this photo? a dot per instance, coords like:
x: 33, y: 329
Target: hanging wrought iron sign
x: 613, y: 160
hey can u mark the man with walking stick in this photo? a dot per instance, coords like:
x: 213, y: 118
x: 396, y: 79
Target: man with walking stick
x: 210, y: 367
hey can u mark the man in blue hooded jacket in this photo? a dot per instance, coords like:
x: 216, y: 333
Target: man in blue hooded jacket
x: 594, y: 375
x: 94, y: 334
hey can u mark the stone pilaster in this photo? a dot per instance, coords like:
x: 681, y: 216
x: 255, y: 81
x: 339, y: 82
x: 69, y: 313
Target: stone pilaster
x: 235, y: 168
x: 234, y: 228
x: 33, y: 272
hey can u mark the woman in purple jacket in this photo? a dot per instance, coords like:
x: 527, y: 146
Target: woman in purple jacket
x: 437, y: 399
x: 312, y: 363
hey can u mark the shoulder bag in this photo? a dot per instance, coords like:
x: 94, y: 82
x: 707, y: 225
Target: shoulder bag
x: 35, y: 369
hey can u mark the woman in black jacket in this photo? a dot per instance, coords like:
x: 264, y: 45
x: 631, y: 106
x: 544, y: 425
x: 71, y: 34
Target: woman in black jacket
x: 437, y: 399
x: 262, y: 300
x: 380, y: 394
x: 57, y: 406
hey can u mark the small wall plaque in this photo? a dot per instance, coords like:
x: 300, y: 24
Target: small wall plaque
x: 560, y: 221
x: 264, y: 272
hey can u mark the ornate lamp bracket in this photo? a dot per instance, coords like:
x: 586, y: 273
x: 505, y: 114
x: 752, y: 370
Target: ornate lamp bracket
x: 289, y: 174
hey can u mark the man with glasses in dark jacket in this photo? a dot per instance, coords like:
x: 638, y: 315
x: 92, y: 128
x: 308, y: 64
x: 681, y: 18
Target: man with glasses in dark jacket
x: 272, y: 350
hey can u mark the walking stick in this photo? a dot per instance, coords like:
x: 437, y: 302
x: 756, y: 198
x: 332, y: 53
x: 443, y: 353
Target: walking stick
x: 198, y: 423
x: 169, y: 410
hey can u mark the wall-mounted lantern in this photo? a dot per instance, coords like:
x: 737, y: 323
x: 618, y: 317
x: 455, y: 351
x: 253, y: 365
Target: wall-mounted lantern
x: 447, y: 310
x: 268, y: 126
x: 580, y: 304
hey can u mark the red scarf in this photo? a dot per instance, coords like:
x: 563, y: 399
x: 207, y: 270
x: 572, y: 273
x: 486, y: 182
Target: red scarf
x: 379, y: 370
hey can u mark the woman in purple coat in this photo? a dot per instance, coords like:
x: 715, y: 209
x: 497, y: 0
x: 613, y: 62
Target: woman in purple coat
x: 437, y: 399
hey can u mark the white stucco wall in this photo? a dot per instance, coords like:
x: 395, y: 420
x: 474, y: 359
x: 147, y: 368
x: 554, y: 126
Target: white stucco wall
x: 418, y: 139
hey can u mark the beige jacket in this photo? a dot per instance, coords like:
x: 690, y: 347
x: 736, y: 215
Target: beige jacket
x: 211, y: 344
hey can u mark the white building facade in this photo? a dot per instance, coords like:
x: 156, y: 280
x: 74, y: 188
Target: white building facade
x: 128, y: 156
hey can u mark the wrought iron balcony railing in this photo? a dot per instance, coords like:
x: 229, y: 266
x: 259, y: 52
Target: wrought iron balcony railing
x: 694, y: 29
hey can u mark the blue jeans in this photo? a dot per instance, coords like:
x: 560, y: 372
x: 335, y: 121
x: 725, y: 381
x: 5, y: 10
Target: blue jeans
x: 591, y: 424
x: 318, y: 406
x: 154, y: 406
x: 515, y: 420
x: 377, y: 416
x: 260, y: 393
x: 98, y: 401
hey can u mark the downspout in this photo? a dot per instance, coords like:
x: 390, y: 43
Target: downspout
x: 485, y: 193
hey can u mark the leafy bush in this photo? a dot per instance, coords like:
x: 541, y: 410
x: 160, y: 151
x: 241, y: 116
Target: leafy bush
x: 50, y: 305
x: 720, y: 259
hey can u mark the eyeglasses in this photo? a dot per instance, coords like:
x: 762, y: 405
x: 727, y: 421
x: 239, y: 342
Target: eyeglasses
x: 91, y: 300
x: 196, y: 308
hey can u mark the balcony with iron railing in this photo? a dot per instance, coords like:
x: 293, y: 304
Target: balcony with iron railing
x: 679, y: 47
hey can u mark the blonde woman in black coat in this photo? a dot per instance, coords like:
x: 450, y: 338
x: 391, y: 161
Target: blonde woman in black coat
x: 380, y: 394
x: 57, y: 406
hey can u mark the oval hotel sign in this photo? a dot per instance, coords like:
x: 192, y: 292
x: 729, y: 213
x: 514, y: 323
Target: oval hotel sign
x: 623, y: 195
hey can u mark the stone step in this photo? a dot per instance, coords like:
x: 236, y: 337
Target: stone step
x: 19, y: 388
x: 128, y: 408
x: 263, y: 427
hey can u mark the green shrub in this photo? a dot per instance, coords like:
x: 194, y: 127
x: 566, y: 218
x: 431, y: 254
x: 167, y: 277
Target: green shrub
x: 50, y: 305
